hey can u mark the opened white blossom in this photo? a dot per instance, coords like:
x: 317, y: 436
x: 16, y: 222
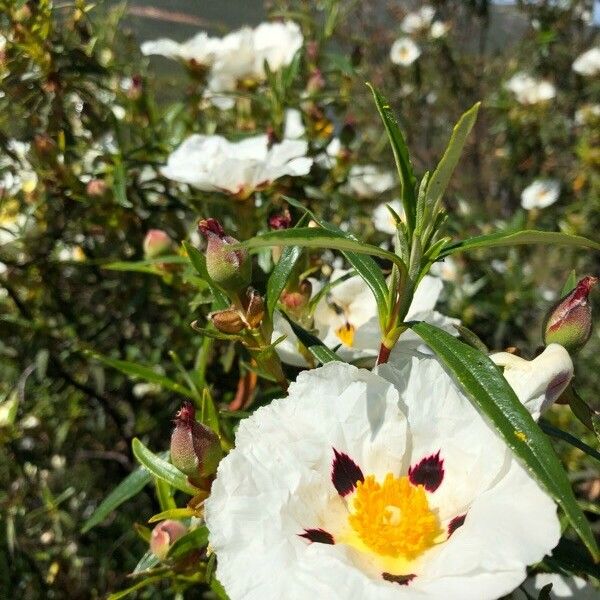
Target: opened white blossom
x: 404, y: 52
x: 213, y: 163
x: 528, y: 90
x: 575, y: 588
x: 418, y: 20
x: 538, y: 382
x: 439, y: 29
x: 345, y: 319
x: 369, y: 181
x: 375, y: 485
x: 540, y: 194
x: 588, y: 63
x: 383, y: 219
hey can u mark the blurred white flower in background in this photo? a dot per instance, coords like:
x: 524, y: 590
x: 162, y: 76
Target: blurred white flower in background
x: 368, y: 181
x: 540, y: 194
x: 383, y: 219
x: 574, y: 587
x: 528, y: 90
x: 587, y: 114
x: 439, y: 29
x: 446, y: 269
x: 404, y: 52
x: 418, y: 20
x: 588, y: 63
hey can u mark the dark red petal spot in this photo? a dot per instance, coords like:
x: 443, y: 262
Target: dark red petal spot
x: 344, y: 473
x: 400, y: 579
x: 455, y: 524
x: 429, y: 472
x: 320, y: 536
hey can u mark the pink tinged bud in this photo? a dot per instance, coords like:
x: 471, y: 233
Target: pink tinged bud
x: 156, y: 243
x: 164, y: 536
x: 280, y: 220
x: 295, y: 301
x: 231, y: 269
x: 95, y: 188
x: 195, y: 449
x: 569, y: 321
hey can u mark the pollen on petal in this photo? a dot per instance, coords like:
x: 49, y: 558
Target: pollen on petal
x: 429, y: 472
x: 456, y: 523
x: 345, y: 473
x: 319, y: 536
x: 400, y: 579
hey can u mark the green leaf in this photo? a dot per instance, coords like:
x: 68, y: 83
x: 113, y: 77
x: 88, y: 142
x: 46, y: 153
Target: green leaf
x: 209, y: 415
x: 143, y: 372
x: 164, y: 494
x: 280, y: 274
x: 565, y: 436
x: 405, y: 170
x: 315, y: 346
x: 221, y: 301
x: 145, y: 266
x: 8, y: 409
x: 441, y: 176
x: 128, y: 488
x: 572, y: 557
x: 215, y: 334
x: 486, y: 387
x: 119, y: 183
x: 174, y: 513
x: 517, y: 238
x: 570, y: 283
x: 136, y: 586
x: 148, y: 561
x: 314, y: 237
x: 161, y: 468
x: 193, y: 540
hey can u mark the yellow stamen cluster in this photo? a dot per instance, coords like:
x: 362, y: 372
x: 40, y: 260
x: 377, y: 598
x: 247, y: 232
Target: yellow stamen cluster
x: 394, y: 518
x: 346, y: 334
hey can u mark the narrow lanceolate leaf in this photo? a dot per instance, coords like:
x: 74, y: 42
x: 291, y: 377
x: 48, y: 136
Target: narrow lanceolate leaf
x: 441, y: 176
x: 148, y: 561
x: 198, y: 261
x: 316, y: 347
x: 150, y: 266
x: 128, y: 488
x: 314, y: 237
x: 405, y: 170
x: 570, y: 283
x: 486, y: 387
x: 174, y: 513
x: 517, y: 238
x: 143, y: 372
x: 161, y: 468
x: 280, y: 275
x: 136, y: 586
x: 193, y: 540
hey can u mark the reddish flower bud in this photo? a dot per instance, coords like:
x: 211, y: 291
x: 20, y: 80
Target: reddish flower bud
x: 231, y: 269
x: 195, y: 449
x: 95, y: 187
x: 295, y: 301
x: 156, y: 243
x: 227, y: 321
x: 164, y: 535
x: 569, y: 321
x: 281, y: 220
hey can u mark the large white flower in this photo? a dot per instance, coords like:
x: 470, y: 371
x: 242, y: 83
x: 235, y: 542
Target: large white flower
x: 200, y: 49
x: 418, y: 20
x: 383, y: 219
x: 345, y: 319
x: 562, y: 587
x: 540, y: 194
x: 404, y: 52
x: 375, y: 486
x: 538, y: 382
x: 212, y: 163
x: 588, y: 63
x: 528, y: 90
x: 368, y: 181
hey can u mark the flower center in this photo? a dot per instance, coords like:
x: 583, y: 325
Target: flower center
x: 393, y: 518
x: 346, y: 333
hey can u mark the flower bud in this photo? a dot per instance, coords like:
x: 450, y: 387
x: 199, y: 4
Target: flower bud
x: 281, y: 220
x: 227, y: 321
x: 164, y: 535
x: 195, y: 449
x: 95, y: 188
x: 254, y: 305
x: 231, y: 269
x: 156, y: 243
x: 569, y: 321
x: 295, y: 301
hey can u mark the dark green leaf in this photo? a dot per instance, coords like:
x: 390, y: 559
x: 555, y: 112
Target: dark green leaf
x: 280, y: 275
x: 570, y: 283
x: 221, y: 301
x: 565, y: 436
x: 572, y: 557
x: 316, y: 347
x: 485, y: 385
x: 517, y: 238
x: 193, y: 540
x: 405, y: 170
x: 145, y: 266
x: 136, y: 586
x: 161, y: 468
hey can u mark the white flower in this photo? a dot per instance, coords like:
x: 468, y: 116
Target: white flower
x: 375, y: 486
x: 439, y: 29
x: 540, y: 194
x: 368, y: 181
x: 201, y: 49
x: 346, y: 319
x: 276, y: 43
x: 538, y: 382
x: 446, y: 269
x: 404, y: 52
x: 588, y: 63
x: 328, y: 159
x: 383, y: 219
x: 416, y: 21
x: 528, y: 90
x: 588, y: 113
x: 293, y: 126
x: 562, y: 587
x: 212, y: 163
